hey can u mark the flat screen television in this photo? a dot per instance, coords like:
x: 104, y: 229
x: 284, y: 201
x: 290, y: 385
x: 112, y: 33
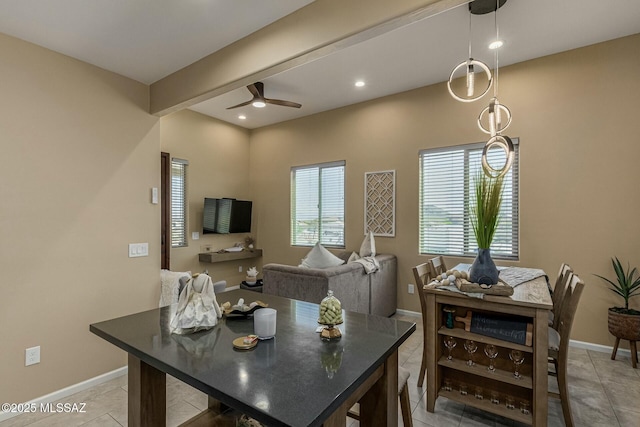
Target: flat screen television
x: 224, y: 216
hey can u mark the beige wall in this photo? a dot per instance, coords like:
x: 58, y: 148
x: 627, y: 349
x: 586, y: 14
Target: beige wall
x: 576, y: 116
x: 80, y: 154
x: 218, y: 155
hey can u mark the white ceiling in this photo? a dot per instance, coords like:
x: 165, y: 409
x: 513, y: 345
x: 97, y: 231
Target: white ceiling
x: 149, y: 39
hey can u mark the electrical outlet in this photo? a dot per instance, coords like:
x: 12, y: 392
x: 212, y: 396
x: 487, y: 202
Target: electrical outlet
x: 411, y: 288
x: 32, y: 356
x: 240, y: 269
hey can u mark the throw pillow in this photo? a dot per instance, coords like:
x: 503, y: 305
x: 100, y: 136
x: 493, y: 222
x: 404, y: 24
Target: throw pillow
x: 368, y: 246
x: 320, y: 257
x: 354, y: 257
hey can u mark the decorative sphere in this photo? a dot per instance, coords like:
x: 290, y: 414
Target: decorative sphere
x: 444, y: 276
x: 449, y: 272
x: 457, y: 274
x: 451, y: 278
x: 446, y: 282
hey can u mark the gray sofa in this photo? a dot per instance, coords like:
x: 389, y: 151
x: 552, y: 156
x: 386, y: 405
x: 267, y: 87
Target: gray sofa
x: 374, y: 293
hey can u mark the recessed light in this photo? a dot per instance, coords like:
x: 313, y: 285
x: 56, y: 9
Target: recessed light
x: 359, y: 83
x: 242, y: 117
x: 496, y: 44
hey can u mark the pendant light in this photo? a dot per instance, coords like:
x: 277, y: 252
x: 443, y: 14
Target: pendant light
x: 496, y: 113
x: 470, y: 67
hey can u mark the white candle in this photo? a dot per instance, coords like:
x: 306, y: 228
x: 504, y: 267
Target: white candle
x: 264, y: 323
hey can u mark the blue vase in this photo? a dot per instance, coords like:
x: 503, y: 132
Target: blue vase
x: 483, y: 270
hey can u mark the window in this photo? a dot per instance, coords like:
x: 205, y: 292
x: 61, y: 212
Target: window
x: 178, y: 202
x: 446, y: 186
x: 317, y: 204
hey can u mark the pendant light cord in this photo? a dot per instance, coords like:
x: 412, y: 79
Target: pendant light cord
x: 495, y: 84
x: 469, y: 35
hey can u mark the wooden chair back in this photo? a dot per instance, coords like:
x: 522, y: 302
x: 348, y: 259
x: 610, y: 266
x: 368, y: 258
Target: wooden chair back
x: 560, y: 291
x: 559, y: 343
x: 422, y: 275
x: 568, y: 310
x: 437, y: 266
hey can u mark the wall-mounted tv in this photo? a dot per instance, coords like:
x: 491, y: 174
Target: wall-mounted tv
x: 223, y: 216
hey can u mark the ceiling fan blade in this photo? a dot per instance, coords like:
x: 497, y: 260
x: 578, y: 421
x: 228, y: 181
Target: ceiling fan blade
x: 240, y: 105
x: 282, y: 102
x: 256, y: 89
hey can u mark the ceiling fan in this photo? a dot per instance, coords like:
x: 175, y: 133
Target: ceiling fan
x: 259, y: 101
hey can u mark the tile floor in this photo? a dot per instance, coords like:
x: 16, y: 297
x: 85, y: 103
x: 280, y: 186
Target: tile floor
x: 603, y: 393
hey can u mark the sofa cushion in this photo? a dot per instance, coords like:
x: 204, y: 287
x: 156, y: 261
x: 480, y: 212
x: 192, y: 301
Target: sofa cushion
x: 368, y: 246
x: 320, y: 257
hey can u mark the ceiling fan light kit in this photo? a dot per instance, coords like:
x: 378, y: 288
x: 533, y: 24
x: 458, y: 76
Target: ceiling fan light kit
x: 496, y: 110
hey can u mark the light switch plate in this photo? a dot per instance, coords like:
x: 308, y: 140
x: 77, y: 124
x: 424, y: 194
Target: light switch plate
x: 138, y: 250
x: 32, y: 356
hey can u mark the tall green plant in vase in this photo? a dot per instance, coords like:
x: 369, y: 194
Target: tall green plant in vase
x: 485, y: 217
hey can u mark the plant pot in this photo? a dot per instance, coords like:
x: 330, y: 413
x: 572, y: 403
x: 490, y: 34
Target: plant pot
x: 624, y: 326
x: 483, y: 270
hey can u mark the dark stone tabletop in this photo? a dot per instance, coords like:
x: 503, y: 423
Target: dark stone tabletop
x: 288, y: 380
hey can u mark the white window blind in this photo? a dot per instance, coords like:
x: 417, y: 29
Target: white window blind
x: 178, y: 202
x: 317, y: 204
x: 446, y: 196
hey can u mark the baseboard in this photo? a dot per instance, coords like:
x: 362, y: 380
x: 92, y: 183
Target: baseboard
x: 68, y: 391
x: 598, y: 347
x: 408, y: 312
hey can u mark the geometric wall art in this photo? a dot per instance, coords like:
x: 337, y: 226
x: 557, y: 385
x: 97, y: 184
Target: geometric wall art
x: 380, y: 203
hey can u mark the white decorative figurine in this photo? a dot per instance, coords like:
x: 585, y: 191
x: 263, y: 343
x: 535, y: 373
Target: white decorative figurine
x: 252, y: 274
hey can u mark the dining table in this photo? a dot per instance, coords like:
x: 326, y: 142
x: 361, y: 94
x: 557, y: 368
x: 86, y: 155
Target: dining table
x: 511, y: 329
x: 293, y: 379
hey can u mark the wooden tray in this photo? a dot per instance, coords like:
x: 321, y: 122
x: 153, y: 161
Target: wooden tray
x: 498, y: 289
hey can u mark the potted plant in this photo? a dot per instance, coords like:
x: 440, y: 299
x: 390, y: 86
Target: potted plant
x: 624, y: 322
x: 485, y: 215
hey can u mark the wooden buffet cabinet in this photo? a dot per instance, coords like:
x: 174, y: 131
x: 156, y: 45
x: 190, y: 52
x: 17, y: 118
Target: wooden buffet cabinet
x: 531, y: 301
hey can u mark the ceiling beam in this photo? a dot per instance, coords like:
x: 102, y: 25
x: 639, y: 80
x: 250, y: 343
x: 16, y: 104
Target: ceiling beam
x: 314, y: 31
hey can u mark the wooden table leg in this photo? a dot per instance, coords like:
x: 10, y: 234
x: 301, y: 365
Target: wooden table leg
x: 379, y: 405
x: 540, y: 402
x: 431, y: 336
x: 147, y: 395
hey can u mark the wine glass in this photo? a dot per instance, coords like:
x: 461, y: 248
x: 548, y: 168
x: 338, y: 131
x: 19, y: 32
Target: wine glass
x: 450, y: 343
x: 491, y: 352
x: 471, y: 348
x: 517, y: 358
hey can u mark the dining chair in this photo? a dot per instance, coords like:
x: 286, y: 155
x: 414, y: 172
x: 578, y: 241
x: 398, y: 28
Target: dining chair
x: 422, y: 276
x: 403, y: 394
x: 437, y: 266
x: 559, y: 343
x: 559, y: 292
